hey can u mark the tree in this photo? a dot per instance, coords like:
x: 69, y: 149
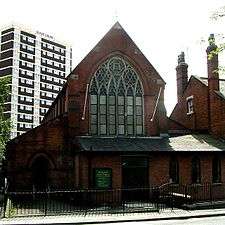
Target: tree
x: 5, y: 124
x: 217, y: 16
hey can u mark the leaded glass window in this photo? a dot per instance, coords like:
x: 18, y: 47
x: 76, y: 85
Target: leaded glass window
x: 116, y: 100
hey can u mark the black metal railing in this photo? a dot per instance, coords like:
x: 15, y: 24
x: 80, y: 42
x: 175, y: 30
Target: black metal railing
x: 76, y: 202
x: 56, y: 202
x: 178, y: 195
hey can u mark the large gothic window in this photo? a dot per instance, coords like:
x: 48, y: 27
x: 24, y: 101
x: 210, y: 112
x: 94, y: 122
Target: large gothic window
x: 116, y: 100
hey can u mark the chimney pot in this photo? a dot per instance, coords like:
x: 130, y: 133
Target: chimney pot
x: 182, y: 76
x: 212, y: 64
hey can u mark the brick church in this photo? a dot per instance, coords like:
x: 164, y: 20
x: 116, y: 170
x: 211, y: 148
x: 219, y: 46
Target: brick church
x: 108, y: 126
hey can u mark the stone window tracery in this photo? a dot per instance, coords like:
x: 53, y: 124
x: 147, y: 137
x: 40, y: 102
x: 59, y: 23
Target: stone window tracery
x: 116, y: 100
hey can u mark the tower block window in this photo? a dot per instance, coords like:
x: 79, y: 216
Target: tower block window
x: 116, y: 100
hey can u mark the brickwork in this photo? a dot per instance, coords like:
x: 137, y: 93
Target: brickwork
x: 46, y: 141
x: 208, y: 114
x: 117, y: 42
x: 198, y: 120
x: 158, y: 167
x: 71, y: 165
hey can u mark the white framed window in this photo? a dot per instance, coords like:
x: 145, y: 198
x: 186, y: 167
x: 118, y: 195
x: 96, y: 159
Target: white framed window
x: 29, y: 108
x: 48, y: 103
x: 190, y: 105
x: 30, y: 56
x: 57, y: 56
x: 30, y: 65
x: 42, y: 110
x: 27, y: 125
x: 29, y: 99
x: 28, y: 117
x: 30, y: 48
x: 30, y: 39
x: 49, y: 78
x: 24, y: 38
x: 29, y: 73
x: 29, y: 81
x: 22, y: 80
x: 28, y: 90
x: 50, y: 54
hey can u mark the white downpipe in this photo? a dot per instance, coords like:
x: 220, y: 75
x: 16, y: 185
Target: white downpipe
x: 156, y: 104
x: 85, y: 103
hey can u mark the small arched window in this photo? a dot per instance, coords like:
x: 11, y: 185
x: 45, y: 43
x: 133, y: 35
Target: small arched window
x: 196, y: 170
x: 174, y: 170
x: 116, y: 100
x: 216, y: 170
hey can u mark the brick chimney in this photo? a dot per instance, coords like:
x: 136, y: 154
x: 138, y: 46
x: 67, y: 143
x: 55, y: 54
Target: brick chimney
x: 182, y: 76
x: 212, y: 64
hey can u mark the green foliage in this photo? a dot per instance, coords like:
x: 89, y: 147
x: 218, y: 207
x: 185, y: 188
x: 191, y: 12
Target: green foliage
x: 217, y: 16
x: 5, y: 124
x: 219, y: 13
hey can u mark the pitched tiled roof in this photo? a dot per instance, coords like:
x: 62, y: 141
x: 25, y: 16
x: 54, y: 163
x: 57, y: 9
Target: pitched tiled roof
x: 204, y: 81
x: 145, y: 144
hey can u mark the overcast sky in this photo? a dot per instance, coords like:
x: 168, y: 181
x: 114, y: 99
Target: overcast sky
x: 161, y: 29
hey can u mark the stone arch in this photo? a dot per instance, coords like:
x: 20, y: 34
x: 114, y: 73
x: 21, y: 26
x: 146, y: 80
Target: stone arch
x: 40, y: 166
x: 41, y: 154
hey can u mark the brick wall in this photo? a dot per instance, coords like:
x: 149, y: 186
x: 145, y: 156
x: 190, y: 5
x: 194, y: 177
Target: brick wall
x: 47, y: 140
x: 199, y: 120
x: 158, y: 167
x: 116, y: 42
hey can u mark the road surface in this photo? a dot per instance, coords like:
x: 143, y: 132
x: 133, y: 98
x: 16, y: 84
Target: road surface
x: 219, y: 220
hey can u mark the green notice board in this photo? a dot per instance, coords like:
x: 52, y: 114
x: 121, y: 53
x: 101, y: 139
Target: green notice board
x: 103, y: 178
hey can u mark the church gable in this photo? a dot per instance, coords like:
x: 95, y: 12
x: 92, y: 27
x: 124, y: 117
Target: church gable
x: 117, y: 60
x: 118, y: 42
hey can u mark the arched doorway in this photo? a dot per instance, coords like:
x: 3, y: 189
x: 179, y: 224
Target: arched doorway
x: 40, y: 168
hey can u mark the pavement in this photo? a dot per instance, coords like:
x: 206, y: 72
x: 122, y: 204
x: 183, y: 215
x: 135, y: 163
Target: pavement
x: 167, y: 214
